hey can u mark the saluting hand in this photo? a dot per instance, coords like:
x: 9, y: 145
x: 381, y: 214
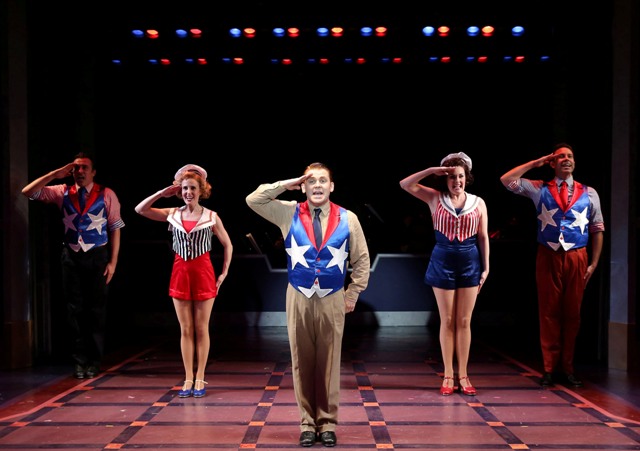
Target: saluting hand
x: 293, y: 184
x: 170, y: 191
x: 64, y: 171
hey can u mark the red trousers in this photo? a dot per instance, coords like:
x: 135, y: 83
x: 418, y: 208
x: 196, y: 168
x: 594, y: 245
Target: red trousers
x: 560, y: 281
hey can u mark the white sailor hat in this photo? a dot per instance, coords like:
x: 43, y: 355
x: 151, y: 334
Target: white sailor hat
x: 463, y: 156
x: 191, y: 168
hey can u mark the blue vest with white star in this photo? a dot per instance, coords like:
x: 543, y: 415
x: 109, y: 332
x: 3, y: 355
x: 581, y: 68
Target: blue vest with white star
x: 95, y: 235
x: 564, y: 220
x: 331, y: 277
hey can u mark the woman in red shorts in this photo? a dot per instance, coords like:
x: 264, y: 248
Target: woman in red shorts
x: 193, y: 284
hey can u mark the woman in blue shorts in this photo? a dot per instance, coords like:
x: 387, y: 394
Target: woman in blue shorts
x: 459, y: 263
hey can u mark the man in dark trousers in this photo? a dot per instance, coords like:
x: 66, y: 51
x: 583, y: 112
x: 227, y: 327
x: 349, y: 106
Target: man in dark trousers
x: 92, y: 223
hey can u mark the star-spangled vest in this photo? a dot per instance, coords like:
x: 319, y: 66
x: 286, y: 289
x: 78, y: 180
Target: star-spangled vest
x: 316, y: 270
x: 563, y: 223
x: 88, y: 226
x: 198, y: 240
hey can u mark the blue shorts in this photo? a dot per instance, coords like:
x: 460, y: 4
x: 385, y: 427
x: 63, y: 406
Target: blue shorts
x: 454, y: 265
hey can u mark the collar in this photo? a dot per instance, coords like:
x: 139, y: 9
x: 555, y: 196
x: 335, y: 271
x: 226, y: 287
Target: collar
x: 569, y: 181
x: 324, y: 208
x: 89, y: 187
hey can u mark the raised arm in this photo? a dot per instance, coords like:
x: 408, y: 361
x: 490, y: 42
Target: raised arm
x: 263, y: 200
x: 145, y: 208
x: 516, y: 173
x: 39, y: 183
x: 410, y: 183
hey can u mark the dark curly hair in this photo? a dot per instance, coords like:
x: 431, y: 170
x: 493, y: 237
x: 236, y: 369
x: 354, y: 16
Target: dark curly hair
x: 441, y: 182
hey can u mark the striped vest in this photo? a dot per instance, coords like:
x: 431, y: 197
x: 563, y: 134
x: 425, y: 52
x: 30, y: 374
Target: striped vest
x: 198, y: 240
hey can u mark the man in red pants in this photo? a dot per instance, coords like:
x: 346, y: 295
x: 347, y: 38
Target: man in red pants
x: 567, y: 223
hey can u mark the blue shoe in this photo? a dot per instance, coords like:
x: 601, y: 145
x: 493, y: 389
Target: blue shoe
x: 199, y: 393
x: 186, y: 392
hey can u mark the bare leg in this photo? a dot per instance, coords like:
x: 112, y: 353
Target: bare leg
x: 445, y: 300
x: 202, y: 315
x: 465, y: 302
x: 184, y: 311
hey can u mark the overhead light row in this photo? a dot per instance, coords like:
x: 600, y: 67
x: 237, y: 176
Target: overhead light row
x: 323, y: 61
x: 354, y: 45
x: 336, y: 31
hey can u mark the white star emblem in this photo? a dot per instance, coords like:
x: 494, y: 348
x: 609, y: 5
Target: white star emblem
x: 97, y: 221
x: 339, y: 256
x: 81, y: 245
x: 297, y: 253
x: 566, y: 246
x: 546, y: 217
x: 68, y: 221
x: 581, y: 219
x: 315, y: 288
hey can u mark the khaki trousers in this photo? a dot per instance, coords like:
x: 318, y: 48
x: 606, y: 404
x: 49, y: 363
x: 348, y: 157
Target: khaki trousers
x: 315, y: 327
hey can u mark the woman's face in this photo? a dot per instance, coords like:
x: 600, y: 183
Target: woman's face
x: 190, y: 191
x: 456, y: 180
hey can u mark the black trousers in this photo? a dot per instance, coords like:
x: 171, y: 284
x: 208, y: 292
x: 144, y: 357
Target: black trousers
x: 85, y: 292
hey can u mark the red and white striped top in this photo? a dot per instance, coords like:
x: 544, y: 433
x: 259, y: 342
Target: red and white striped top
x: 453, y: 225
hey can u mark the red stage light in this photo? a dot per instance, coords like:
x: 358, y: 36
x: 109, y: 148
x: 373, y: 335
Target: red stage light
x: 381, y: 31
x: 488, y: 30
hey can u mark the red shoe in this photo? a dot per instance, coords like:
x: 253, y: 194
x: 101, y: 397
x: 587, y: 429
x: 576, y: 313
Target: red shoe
x: 445, y: 390
x: 469, y: 389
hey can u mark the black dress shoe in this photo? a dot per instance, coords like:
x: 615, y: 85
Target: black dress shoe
x: 573, y: 380
x: 328, y: 438
x: 547, y: 380
x: 79, y: 372
x: 92, y: 371
x: 307, y: 438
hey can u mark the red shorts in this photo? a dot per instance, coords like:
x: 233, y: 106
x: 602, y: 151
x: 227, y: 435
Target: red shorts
x: 193, y: 280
